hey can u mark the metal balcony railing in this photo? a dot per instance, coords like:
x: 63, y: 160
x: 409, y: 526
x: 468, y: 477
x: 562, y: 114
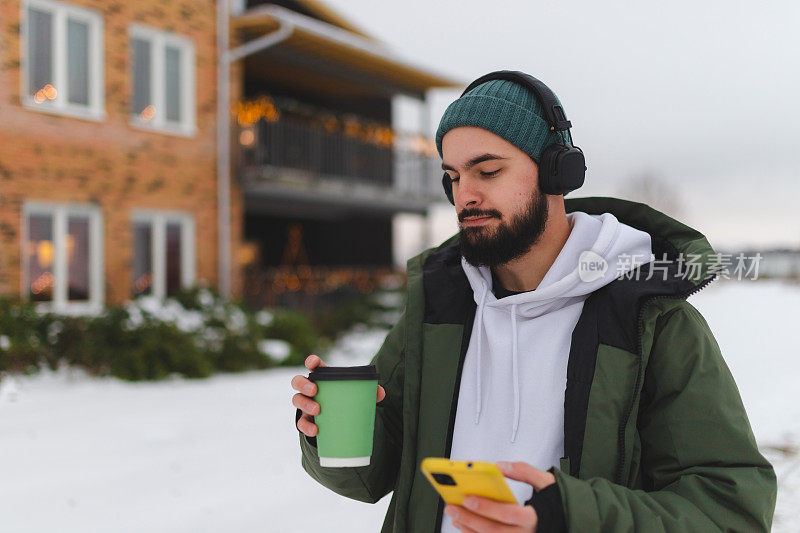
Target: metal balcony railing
x: 311, y: 154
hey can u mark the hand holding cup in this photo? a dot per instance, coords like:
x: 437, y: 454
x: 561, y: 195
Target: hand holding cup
x: 307, y: 389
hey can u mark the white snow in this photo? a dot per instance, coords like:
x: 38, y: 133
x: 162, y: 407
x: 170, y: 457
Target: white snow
x: 170, y: 311
x: 264, y: 317
x: 221, y: 454
x: 276, y: 349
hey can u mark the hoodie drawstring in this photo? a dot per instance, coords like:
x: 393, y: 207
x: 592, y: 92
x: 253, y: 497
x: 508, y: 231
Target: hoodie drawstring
x: 480, y: 344
x: 515, y: 371
x: 514, y: 363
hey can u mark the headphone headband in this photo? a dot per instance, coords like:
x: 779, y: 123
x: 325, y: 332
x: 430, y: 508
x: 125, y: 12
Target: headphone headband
x: 554, y: 113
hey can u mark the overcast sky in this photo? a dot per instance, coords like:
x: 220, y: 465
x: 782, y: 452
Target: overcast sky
x: 704, y: 94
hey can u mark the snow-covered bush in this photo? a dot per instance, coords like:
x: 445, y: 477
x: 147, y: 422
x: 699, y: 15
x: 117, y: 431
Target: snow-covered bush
x: 194, y: 334
x: 275, y: 349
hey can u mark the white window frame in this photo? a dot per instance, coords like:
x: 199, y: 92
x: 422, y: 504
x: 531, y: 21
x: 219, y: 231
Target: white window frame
x: 159, y: 40
x: 158, y: 220
x: 60, y: 213
x: 61, y: 105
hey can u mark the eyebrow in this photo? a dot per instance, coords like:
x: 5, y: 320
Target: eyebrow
x: 474, y: 161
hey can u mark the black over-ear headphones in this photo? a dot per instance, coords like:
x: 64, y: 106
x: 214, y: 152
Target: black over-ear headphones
x: 562, y: 168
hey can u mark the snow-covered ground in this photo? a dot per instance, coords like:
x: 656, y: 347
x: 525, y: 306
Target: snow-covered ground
x: 81, y: 454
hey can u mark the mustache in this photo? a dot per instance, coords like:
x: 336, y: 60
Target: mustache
x: 477, y: 213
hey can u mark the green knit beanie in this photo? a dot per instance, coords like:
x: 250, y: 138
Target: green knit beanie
x: 507, y: 109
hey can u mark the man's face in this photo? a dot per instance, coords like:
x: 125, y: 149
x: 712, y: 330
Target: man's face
x: 501, y: 212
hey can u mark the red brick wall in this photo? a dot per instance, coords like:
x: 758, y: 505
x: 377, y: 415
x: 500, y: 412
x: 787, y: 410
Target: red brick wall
x: 110, y: 163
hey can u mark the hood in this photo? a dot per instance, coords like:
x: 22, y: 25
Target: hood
x: 598, y: 250
x: 668, y: 236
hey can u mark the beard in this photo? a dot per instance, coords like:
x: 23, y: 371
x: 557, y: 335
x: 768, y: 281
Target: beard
x: 485, y: 246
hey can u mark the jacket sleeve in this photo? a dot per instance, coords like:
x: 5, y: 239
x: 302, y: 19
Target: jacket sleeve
x: 370, y: 483
x: 701, y: 468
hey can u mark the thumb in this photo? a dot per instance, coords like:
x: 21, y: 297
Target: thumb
x: 313, y: 361
x: 381, y: 393
x: 521, y: 471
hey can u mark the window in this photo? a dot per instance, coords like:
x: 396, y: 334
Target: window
x: 163, y: 253
x: 163, y: 81
x: 62, y: 59
x: 62, y: 256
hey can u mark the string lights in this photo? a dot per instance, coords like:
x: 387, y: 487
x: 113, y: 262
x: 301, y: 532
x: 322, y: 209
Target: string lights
x: 271, y: 109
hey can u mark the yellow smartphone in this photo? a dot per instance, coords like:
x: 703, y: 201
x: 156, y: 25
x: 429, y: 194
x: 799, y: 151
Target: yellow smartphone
x: 454, y: 480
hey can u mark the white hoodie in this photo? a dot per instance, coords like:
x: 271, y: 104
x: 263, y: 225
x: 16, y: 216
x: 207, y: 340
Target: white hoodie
x: 511, y: 397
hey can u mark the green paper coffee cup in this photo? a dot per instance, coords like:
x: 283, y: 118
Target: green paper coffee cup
x: 346, y: 396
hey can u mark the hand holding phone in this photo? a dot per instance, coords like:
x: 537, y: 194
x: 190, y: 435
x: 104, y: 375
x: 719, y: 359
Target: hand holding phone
x: 454, y: 480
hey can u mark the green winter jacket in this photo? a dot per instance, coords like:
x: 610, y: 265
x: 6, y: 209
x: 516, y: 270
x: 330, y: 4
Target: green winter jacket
x: 655, y: 434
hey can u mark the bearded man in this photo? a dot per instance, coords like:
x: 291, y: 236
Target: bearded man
x: 541, y: 337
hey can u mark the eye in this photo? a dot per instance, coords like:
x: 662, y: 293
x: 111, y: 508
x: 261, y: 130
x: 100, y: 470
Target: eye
x: 451, y: 179
x: 490, y: 173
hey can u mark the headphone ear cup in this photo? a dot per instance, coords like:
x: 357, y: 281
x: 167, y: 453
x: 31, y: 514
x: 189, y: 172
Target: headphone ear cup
x: 447, y: 184
x: 562, y: 169
x: 548, y: 172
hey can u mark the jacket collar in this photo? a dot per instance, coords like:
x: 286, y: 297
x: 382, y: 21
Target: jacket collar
x: 672, y: 240
x: 669, y: 236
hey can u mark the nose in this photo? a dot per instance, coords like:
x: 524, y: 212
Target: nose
x: 466, y: 192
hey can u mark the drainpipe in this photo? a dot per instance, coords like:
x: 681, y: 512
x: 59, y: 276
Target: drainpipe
x: 225, y: 58
x: 424, y: 124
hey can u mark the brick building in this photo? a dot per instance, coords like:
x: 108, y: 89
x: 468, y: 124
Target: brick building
x: 109, y: 186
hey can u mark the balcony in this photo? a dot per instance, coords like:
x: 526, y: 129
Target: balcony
x: 344, y: 166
